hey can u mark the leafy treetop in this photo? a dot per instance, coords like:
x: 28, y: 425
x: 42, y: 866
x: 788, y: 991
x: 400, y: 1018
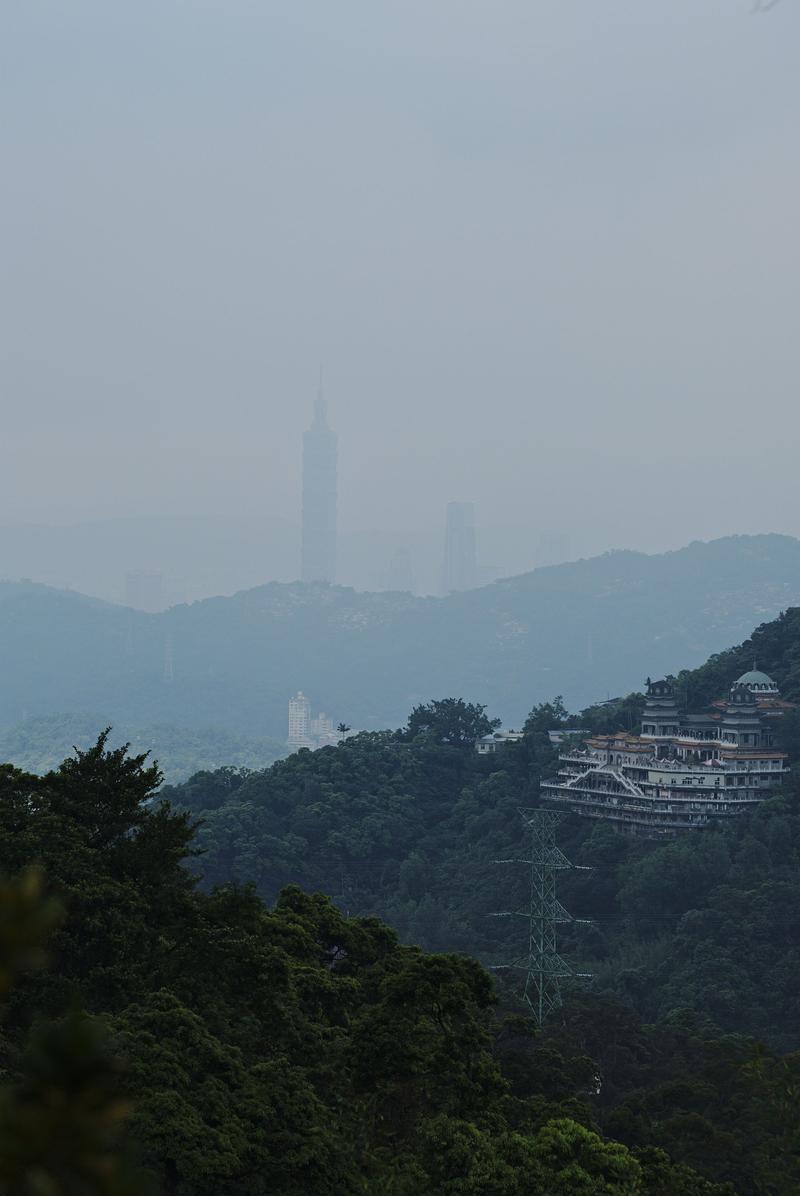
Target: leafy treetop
x: 450, y: 720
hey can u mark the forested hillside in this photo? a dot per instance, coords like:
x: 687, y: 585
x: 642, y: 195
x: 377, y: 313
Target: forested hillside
x: 265, y: 1039
x: 407, y: 825
x: 585, y: 630
x: 229, y: 1048
x: 774, y: 647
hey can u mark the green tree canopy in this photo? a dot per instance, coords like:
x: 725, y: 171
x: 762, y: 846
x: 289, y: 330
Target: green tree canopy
x: 450, y: 720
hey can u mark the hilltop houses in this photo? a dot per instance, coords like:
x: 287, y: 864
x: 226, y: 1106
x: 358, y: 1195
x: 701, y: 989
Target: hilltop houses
x: 682, y: 769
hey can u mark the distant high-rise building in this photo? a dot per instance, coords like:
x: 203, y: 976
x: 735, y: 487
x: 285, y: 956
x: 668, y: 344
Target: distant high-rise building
x: 299, y: 721
x: 460, y: 563
x: 144, y: 590
x: 322, y: 729
x: 319, y: 498
x: 307, y: 730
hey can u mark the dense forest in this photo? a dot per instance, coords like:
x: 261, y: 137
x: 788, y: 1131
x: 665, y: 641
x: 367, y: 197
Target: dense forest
x: 203, y: 994
x: 203, y: 1043
x: 598, y: 625
x: 407, y: 825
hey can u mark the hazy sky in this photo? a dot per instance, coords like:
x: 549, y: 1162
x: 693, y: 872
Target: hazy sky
x: 548, y: 254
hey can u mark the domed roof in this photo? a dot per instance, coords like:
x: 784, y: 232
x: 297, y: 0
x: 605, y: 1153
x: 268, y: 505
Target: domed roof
x: 756, y: 679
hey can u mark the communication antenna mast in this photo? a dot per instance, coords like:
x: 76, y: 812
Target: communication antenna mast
x: 542, y: 965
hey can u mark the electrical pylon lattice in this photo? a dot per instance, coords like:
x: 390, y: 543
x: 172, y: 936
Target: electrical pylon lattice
x: 543, y: 967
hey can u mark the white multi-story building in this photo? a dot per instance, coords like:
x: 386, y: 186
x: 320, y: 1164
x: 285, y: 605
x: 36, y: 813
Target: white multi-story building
x: 322, y: 729
x: 299, y: 721
x: 681, y: 770
x: 307, y: 730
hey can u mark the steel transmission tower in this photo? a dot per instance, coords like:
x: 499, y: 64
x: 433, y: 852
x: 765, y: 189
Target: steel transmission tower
x: 543, y: 967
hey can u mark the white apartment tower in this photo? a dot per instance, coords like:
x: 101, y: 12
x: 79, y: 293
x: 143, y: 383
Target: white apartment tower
x: 299, y: 721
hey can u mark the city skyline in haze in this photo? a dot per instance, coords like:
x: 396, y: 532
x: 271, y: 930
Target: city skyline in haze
x: 546, y: 253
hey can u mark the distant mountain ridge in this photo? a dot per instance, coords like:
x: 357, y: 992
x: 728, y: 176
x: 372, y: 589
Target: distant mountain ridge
x: 583, y: 630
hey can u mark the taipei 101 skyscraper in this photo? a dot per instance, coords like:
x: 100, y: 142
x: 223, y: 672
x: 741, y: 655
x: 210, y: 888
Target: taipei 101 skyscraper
x: 319, y: 497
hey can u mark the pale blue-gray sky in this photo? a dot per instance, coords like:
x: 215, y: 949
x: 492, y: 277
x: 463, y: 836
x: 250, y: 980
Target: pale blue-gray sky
x: 547, y: 252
